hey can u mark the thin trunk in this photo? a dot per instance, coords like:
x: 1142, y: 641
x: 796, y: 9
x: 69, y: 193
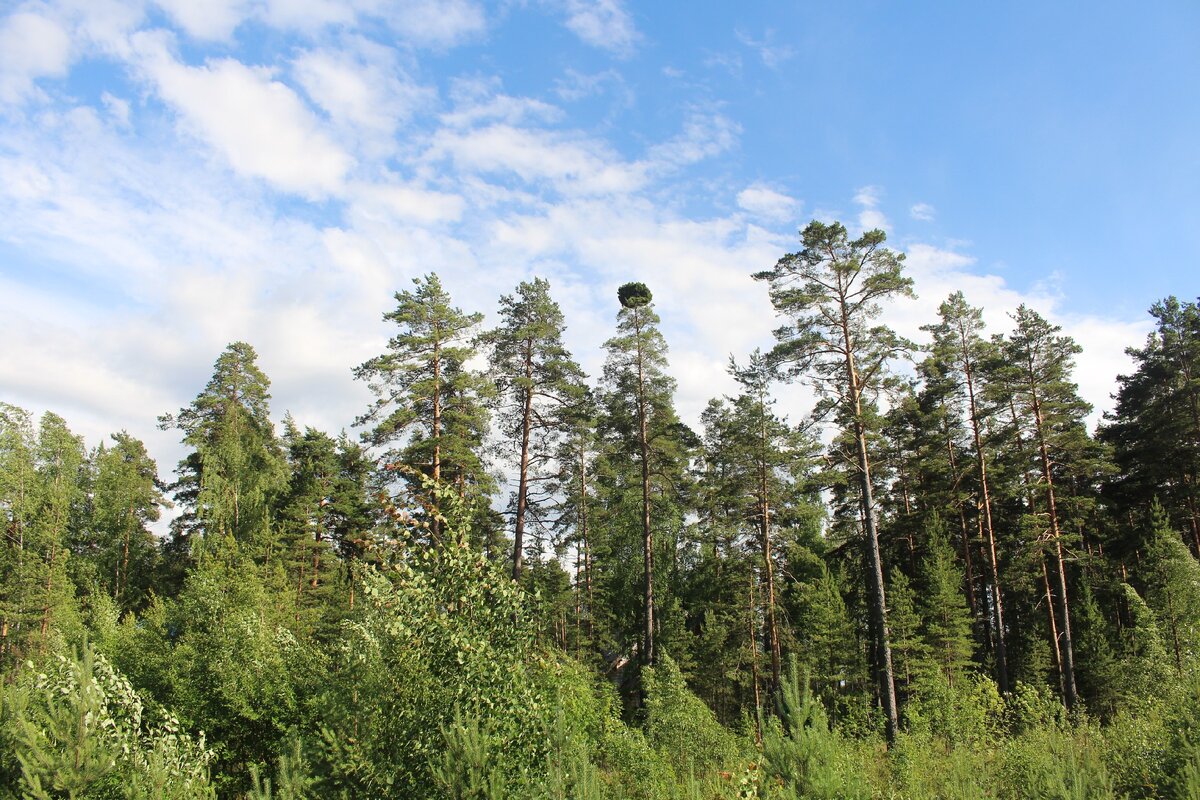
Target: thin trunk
x: 523, y: 480
x: 587, y: 549
x: 988, y: 529
x: 962, y: 520
x: 754, y: 665
x: 647, y: 535
x: 578, y: 598
x: 883, y: 648
x: 768, y: 563
x: 435, y: 526
x: 1068, y: 653
x: 45, y: 626
x: 124, y: 582
x: 1058, y: 662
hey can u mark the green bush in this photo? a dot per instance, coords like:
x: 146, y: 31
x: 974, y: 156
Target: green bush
x: 804, y: 755
x: 77, y: 728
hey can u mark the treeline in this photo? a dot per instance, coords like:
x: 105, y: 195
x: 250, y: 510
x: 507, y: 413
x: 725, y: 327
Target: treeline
x: 939, y: 584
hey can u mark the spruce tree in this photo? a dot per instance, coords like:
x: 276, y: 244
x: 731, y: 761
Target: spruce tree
x: 1172, y: 579
x: 947, y: 618
x: 1154, y: 427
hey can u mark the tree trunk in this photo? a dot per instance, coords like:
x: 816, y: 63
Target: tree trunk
x: 883, y: 648
x: 969, y: 578
x: 523, y: 479
x: 1068, y: 654
x: 768, y: 563
x: 648, y: 654
x: 587, y: 548
x: 435, y: 525
x: 988, y: 529
x: 754, y: 665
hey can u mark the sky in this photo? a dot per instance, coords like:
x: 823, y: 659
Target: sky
x: 177, y: 175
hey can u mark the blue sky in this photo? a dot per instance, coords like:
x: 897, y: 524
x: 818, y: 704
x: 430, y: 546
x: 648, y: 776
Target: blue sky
x: 177, y: 175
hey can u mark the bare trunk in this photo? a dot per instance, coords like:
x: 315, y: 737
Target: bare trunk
x: 754, y: 664
x: 523, y: 480
x: 768, y: 562
x: 587, y: 548
x: 648, y: 654
x: 988, y: 529
x: 1058, y: 663
x: 878, y: 599
x: 435, y: 525
x: 1068, y: 654
x: 962, y: 520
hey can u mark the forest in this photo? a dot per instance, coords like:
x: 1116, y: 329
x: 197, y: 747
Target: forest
x: 507, y: 578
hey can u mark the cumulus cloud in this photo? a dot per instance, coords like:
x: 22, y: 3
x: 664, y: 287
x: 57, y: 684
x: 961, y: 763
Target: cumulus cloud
x: 212, y: 19
x: 763, y: 201
x: 31, y: 47
x: 260, y: 125
x: 923, y: 212
x: 571, y: 165
x: 602, y: 23
x: 705, y: 134
x: 436, y: 23
x: 870, y: 216
x: 362, y: 89
x: 486, y: 186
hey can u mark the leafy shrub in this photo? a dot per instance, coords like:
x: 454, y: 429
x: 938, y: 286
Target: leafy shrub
x: 77, y: 728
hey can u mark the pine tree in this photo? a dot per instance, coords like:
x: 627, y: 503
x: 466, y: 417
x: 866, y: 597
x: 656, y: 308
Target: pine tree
x: 430, y: 412
x: 229, y: 481
x: 756, y: 473
x: 575, y: 491
x: 959, y: 348
x: 831, y: 291
x: 126, y: 497
x: 643, y: 431
x: 1037, y: 378
x: 539, y: 386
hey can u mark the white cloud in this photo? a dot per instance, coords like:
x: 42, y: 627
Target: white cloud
x: 570, y: 165
x: 772, y: 55
x: 259, y: 124
x: 923, y: 212
x: 31, y: 47
x: 478, y: 100
x: 870, y: 216
x: 118, y: 109
x: 210, y: 19
x: 763, y: 201
x: 403, y: 203
x: 365, y: 93
x: 602, y: 23
x: 436, y: 23
x: 704, y: 135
